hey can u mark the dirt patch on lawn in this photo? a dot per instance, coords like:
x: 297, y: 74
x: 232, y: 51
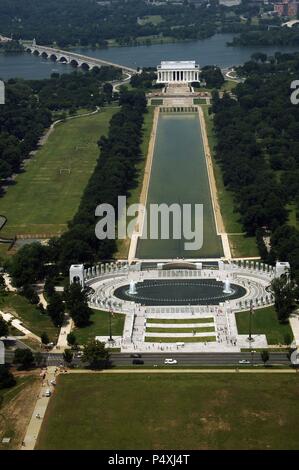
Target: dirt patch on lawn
x: 15, y: 414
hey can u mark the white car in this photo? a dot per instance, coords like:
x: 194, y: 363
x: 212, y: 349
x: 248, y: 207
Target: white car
x: 244, y: 361
x: 79, y: 354
x: 48, y: 393
x: 170, y: 361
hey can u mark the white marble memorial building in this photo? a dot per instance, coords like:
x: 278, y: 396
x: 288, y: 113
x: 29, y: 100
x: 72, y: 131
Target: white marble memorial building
x: 182, y: 71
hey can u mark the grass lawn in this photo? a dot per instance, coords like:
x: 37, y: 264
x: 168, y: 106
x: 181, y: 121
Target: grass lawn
x: 240, y: 245
x: 150, y: 19
x: 42, y: 201
x: 100, y: 326
x: 16, y: 407
x: 229, y: 85
x: 172, y: 411
x: 156, y: 101
x: 29, y: 314
x: 180, y: 320
x: 264, y: 321
x: 199, y: 101
x: 124, y: 245
x: 179, y: 339
x: 198, y: 329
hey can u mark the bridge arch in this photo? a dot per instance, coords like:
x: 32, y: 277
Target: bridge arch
x: 36, y: 52
x: 44, y: 54
x: 74, y: 62
x: 85, y: 66
x: 63, y: 59
x: 53, y: 57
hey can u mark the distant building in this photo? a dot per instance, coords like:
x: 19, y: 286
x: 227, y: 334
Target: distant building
x: 181, y: 71
x: 287, y: 8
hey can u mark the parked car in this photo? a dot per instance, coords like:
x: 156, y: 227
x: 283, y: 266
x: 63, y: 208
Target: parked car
x: 170, y: 361
x: 48, y: 393
x: 137, y: 362
x: 244, y: 361
x: 79, y: 354
x: 136, y: 355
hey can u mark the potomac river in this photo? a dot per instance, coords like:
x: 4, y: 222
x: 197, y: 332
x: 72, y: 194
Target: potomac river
x: 206, y: 52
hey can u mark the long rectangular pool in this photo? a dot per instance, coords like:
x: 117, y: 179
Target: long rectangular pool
x: 179, y: 175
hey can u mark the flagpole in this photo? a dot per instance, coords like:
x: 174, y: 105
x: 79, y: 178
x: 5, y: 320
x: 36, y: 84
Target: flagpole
x: 250, y: 322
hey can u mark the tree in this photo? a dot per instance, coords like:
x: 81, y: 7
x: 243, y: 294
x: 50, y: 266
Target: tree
x: 284, y: 291
x: 24, y: 358
x: 265, y: 356
x: 95, y: 353
x: 30, y: 294
x: 68, y: 356
x: 4, y: 329
x: 55, y: 309
x: 27, y: 266
x: 71, y: 339
x: 76, y: 302
x: 45, y: 338
x: 7, y: 379
x: 49, y: 287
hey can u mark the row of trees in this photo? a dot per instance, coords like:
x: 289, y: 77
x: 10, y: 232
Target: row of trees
x: 257, y: 148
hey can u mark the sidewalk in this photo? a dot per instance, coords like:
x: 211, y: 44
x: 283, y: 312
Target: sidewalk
x: 64, y: 331
x: 39, y: 411
x: 16, y: 323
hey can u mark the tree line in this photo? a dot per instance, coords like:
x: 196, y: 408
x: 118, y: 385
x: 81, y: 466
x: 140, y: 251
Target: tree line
x: 257, y: 148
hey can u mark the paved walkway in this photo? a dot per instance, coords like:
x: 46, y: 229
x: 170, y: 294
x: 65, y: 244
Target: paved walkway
x: 263, y: 370
x: 39, y: 411
x: 294, y: 322
x: 18, y: 325
x: 64, y: 331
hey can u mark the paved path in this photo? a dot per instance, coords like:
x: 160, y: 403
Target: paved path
x: 8, y: 283
x: 16, y: 323
x: 64, y: 331
x: 294, y: 322
x: 39, y: 411
x: 184, y: 371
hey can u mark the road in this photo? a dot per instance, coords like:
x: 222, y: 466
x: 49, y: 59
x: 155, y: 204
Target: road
x: 184, y: 359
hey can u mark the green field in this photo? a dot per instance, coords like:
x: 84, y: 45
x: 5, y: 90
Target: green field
x: 100, y: 325
x: 179, y: 339
x: 172, y: 411
x: 240, y: 244
x: 29, y: 314
x: 264, y: 321
x: 46, y: 196
x: 180, y: 320
x: 197, y: 329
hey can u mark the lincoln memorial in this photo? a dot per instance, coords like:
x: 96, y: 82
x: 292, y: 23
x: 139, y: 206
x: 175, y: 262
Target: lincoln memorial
x: 182, y: 71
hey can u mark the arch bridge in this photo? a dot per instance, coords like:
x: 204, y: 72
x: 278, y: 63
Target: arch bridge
x: 73, y: 58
